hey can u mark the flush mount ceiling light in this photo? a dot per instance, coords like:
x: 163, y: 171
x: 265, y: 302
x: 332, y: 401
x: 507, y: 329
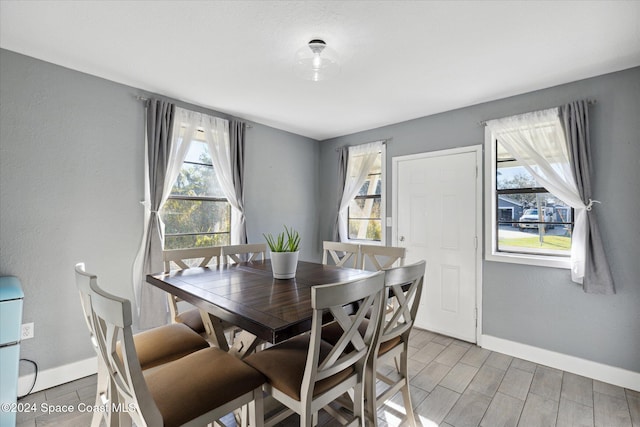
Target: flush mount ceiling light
x: 316, y: 61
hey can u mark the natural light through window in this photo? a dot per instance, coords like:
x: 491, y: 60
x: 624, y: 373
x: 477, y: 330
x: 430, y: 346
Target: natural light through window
x: 365, y: 220
x: 525, y: 222
x: 197, y: 214
x: 529, y: 219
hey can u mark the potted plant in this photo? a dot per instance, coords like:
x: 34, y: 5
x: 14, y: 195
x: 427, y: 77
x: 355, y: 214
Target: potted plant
x: 284, y: 253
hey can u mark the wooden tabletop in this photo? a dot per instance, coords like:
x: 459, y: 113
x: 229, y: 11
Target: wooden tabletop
x: 248, y: 296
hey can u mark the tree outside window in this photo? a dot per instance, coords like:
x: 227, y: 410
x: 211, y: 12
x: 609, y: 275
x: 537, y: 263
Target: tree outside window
x: 197, y: 214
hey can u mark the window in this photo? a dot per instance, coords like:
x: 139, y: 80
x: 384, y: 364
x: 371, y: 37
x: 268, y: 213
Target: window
x: 365, y: 210
x: 197, y: 213
x: 525, y: 222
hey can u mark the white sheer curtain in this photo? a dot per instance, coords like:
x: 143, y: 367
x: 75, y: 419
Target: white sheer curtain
x: 537, y: 141
x: 361, y: 158
x: 152, y: 304
x: 216, y: 133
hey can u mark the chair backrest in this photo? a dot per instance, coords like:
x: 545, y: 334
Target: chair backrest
x: 84, y: 289
x: 112, y: 319
x: 84, y: 283
x: 381, y: 257
x: 367, y: 294
x: 187, y: 258
x: 342, y: 254
x: 252, y: 252
x: 404, y: 286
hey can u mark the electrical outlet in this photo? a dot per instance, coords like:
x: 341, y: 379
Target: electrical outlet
x: 26, y: 331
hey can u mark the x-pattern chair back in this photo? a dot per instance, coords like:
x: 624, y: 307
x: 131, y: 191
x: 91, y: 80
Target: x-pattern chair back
x: 342, y: 254
x: 188, y: 258
x: 353, y: 346
x: 252, y: 252
x: 381, y: 257
x: 84, y: 283
x: 112, y: 322
x: 405, y: 287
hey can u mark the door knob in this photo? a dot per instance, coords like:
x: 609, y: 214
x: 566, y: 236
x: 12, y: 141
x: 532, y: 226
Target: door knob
x: 402, y: 238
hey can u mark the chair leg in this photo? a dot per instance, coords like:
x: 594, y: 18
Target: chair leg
x: 102, y: 389
x: 359, y: 412
x: 370, y: 394
x: 122, y: 418
x: 406, y: 394
x: 256, y: 409
x: 307, y: 419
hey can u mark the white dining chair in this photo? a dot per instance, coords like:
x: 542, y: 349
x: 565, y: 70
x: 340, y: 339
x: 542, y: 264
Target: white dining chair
x: 306, y: 373
x: 376, y: 258
x: 153, y: 348
x: 340, y: 254
x: 404, y: 286
x: 247, y: 252
x: 193, y: 390
x: 181, y: 311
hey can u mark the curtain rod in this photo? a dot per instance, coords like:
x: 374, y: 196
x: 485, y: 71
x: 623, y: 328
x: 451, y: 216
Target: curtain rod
x: 142, y: 98
x: 384, y: 142
x: 484, y: 122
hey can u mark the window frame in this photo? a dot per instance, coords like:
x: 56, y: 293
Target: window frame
x: 383, y: 221
x: 199, y: 198
x: 491, y: 220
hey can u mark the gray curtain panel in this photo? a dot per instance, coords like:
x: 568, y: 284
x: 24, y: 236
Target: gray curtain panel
x: 343, y: 160
x: 575, y: 121
x: 236, y: 139
x: 160, y: 116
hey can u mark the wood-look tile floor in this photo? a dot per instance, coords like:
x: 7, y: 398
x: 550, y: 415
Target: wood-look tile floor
x: 453, y: 384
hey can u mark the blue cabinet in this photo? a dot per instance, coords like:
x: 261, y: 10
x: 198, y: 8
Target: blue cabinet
x: 11, y: 297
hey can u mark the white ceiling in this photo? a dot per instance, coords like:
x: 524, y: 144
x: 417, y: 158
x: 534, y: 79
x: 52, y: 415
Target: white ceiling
x: 400, y: 59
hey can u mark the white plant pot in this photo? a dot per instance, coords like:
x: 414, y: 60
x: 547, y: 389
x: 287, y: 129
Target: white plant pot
x: 284, y: 264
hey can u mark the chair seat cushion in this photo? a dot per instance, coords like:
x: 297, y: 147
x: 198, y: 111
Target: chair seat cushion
x: 192, y: 319
x: 165, y: 343
x: 198, y: 383
x: 332, y: 332
x: 284, y: 366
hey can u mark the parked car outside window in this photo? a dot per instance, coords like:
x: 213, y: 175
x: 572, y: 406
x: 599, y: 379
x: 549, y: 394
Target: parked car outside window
x: 530, y: 218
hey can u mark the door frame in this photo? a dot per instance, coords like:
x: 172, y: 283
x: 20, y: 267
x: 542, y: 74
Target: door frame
x: 477, y: 150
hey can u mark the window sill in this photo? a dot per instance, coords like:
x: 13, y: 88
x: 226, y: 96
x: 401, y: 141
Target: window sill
x: 541, y: 261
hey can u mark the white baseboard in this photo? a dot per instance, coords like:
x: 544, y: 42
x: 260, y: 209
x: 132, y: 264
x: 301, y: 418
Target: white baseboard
x: 55, y: 376
x: 598, y: 371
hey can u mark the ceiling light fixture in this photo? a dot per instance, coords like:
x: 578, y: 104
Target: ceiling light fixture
x: 316, y: 61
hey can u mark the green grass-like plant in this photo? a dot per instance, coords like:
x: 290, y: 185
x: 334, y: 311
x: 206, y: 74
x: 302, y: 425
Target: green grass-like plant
x: 287, y: 241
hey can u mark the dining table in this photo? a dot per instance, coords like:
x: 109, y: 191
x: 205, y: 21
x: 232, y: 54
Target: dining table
x: 246, y: 295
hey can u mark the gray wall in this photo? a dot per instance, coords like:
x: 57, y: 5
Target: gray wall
x: 71, y: 182
x: 71, y: 165
x: 536, y: 305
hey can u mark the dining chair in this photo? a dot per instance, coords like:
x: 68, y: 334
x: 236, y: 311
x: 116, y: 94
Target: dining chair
x: 381, y: 257
x: 154, y: 347
x: 250, y: 252
x: 306, y: 373
x: 196, y: 389
x: 182, y: 312
x: 404, y: 286
x: 342, y: 254
x: 376, y: 258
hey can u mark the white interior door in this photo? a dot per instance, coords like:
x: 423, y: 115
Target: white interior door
x: 436, y: 217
